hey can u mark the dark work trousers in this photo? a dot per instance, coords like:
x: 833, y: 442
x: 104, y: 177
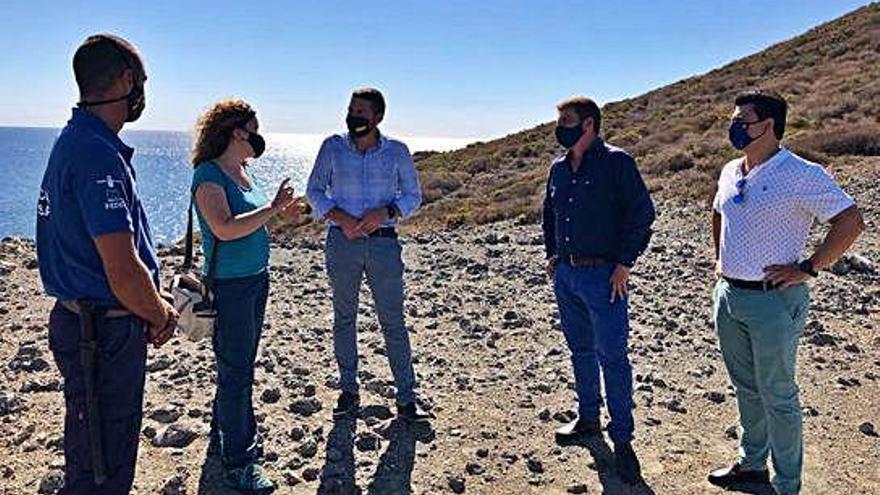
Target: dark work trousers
x: 120, y: 371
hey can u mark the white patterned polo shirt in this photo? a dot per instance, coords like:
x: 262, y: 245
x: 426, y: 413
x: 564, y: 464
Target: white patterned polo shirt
x: 769, y: 224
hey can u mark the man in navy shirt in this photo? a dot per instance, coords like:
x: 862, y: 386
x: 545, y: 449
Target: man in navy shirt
x: 97, y: 259
x: 597, y: 221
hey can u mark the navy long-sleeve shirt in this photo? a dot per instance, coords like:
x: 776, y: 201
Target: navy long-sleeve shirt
x: 603, y: 210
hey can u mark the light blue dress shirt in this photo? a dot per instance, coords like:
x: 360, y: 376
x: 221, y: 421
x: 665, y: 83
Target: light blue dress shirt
x: 354, y: 181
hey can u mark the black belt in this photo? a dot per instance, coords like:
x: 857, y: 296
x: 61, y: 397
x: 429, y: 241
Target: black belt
x: 389, y: 232
x: 762, y: 285
x: 108, y: 312
x: 582, y: 261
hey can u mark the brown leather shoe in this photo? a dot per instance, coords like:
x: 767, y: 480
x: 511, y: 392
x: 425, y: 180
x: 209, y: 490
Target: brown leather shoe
x: 579, y: 428
x: 735, y: 474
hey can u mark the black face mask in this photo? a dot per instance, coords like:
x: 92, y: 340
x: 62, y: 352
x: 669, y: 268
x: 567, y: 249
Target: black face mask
x: 358, y: 126
x: 569, y: 136
x: 135, y: 101
x: 258, y: 144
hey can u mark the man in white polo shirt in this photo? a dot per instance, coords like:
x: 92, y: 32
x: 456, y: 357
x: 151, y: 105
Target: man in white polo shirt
x: 763, y: 211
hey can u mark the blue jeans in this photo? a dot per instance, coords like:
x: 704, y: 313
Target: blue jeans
x: 379, y: 259
x: 241, y: 306
x: 120, y: 366
x: 759, y: 332
x: 596, y: 331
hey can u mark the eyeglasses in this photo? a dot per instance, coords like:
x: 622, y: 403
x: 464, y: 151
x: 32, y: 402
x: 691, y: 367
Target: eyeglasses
x: 740, y: 191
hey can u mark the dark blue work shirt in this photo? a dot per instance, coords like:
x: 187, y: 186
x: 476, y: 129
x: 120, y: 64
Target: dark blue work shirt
x: 602, y: 211
x: 88, y: 190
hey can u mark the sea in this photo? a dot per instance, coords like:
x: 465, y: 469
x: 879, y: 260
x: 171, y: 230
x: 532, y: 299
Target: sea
x: 161, y: 161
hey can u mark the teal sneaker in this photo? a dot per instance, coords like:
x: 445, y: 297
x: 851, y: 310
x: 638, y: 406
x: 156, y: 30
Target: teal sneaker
x: 249, y: 480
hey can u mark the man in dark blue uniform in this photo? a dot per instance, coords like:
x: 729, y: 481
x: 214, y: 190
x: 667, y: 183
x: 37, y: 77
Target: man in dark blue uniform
x: 97, y: 259
x: 597, y: 222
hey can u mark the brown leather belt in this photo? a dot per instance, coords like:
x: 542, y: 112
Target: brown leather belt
x: 582, y: 261
x: 73, y: 307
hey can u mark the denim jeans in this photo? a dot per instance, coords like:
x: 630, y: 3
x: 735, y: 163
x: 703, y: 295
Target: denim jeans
x: 596, y: 331
x: 241, y: 306
x: 120, y: 366
x: 379, y: 258
x: 759, y: 332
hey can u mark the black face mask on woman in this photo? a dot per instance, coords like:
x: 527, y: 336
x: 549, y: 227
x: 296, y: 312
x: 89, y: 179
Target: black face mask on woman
x: 258, y: 144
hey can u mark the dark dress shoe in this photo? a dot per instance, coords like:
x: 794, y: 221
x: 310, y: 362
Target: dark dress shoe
x: 577, y: 429
x: 734, y: 475
x: 627, y: 464
x: 346, y: 405
x: 411, y: 412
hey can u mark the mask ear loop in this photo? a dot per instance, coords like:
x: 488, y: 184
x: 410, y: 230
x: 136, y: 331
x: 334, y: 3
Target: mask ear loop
x: 83, y: 103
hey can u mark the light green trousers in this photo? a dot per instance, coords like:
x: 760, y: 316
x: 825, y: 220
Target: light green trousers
x: 759, y: 332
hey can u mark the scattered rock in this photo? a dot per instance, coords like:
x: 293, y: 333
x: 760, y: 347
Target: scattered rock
x: 51, y: 482
x: 308, y: 449
x: 535, y: 465
x: 868, y: 429
x: 474, y: 469
x: 174, y: 436
x: 367, y: 442
x: 270, y: 395
x: 456, y: 483
x: 305, y: 407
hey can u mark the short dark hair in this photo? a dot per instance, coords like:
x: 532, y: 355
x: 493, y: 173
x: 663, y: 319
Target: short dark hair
x: 767, y: 104
x: 584, y: 108
x: 101, y: 59
x: 372, y: 95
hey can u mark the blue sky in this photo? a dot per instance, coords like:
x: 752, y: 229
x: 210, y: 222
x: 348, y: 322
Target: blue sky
x: 450, y: 68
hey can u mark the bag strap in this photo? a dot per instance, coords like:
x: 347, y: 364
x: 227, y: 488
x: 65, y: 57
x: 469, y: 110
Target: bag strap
x: 188, y: 252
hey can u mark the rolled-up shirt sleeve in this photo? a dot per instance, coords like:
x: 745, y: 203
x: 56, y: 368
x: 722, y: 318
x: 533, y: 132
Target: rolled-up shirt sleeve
x: 409, y: 196
x: 99, y: 187
x: 318, y: 188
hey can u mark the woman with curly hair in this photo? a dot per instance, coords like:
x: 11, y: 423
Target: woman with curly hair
x: 233, y: 213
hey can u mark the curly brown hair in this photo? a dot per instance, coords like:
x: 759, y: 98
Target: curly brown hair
x: 214, y: 128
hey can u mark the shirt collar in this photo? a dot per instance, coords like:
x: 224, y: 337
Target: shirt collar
x: 380, y: 144
x: 84, y: 118
x: 597, y: 148
x: 780, y: 156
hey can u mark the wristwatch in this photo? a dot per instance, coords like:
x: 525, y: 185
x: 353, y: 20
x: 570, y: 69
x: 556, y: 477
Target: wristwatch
x: 806, y: 266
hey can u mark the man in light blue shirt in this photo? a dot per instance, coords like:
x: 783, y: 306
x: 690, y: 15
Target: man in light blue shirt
x: 362, y: 184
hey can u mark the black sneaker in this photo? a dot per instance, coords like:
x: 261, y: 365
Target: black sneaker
x: 735, y: 475
x: 577, y: 429
x: 347, y: 404
x: 627, y: 464
x: 411, y: 412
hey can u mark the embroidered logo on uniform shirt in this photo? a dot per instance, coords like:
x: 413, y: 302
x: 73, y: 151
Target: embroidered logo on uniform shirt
x: 43, y: 205
x: 114, y: 199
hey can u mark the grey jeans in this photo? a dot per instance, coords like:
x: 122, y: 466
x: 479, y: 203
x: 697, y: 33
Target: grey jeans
x: 379, y: 258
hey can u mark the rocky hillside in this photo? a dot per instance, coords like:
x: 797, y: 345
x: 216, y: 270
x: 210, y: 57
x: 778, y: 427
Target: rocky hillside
x: 492, y: 365
x: 830, y: 76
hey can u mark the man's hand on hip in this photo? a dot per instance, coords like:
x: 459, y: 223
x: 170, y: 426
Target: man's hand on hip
x: 784, y: 276
x: 551, y: 266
